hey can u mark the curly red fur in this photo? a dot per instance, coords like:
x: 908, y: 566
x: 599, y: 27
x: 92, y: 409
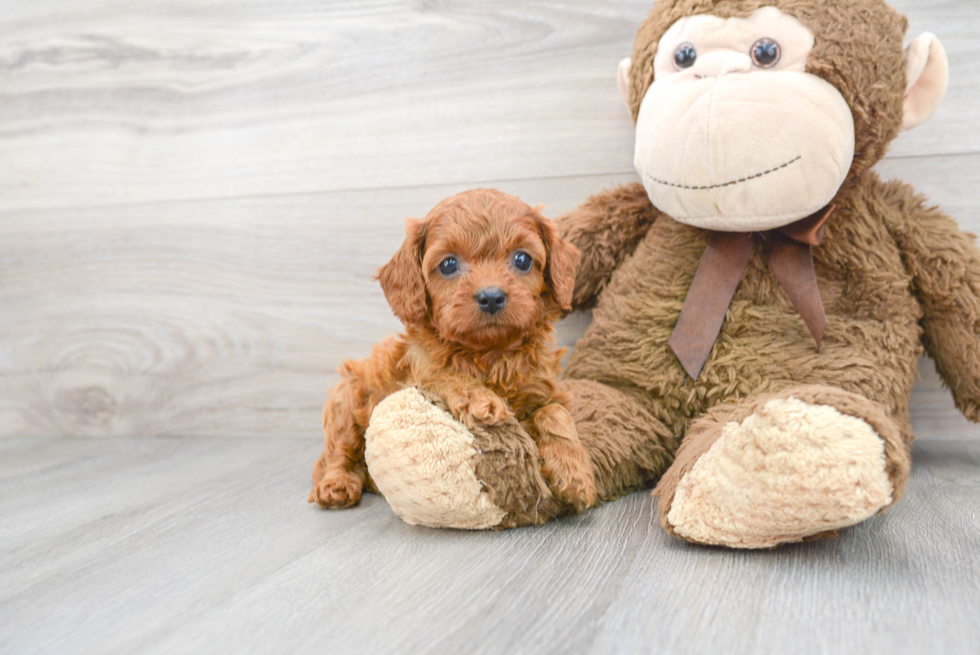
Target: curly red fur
x: 487, y: 366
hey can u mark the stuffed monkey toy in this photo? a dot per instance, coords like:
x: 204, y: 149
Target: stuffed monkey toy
x: 760, y: 297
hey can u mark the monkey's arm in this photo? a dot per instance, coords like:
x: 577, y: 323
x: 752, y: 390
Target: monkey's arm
x: 945, y: 265
x: 606, y: 228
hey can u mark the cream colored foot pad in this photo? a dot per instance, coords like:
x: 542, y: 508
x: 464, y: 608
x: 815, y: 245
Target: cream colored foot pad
x: 423, y: 462
x: 788, y: 471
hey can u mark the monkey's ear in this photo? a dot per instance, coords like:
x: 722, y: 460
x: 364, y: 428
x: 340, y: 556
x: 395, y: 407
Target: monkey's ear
x: 401, y: 278
x: 559, y: 270
x: 927, y: 72
x: 623, y: 80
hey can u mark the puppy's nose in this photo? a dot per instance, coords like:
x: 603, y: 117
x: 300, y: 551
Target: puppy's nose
x: 491, y: 300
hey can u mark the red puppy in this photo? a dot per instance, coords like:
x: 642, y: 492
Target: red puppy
x: 478, y: 284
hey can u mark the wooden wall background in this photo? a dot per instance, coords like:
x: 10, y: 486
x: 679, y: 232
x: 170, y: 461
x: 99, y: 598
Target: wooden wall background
x: 194, y: 194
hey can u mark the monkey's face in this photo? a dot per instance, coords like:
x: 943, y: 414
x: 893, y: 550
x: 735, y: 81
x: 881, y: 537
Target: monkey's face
x: 734, y: 134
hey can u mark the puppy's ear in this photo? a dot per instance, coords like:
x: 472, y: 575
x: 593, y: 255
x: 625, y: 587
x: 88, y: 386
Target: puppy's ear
x: 563, y: 259
x: 401, y: 278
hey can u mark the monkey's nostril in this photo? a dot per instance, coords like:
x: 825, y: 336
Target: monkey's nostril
x: 491, y: 300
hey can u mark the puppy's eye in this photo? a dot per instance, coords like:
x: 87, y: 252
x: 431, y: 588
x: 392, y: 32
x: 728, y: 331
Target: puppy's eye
x: 449, y: 267
x: 522, y: 261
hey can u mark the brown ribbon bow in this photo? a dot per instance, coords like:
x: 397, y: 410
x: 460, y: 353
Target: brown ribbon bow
x: 720, y: 272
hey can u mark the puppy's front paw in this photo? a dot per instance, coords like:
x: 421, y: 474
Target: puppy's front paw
x: 478, y: 407
x: 569, y: 474
x: 336, y: 491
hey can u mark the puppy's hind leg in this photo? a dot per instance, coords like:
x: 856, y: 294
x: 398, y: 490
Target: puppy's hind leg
x: 565, y: 462
x: 340, y: 473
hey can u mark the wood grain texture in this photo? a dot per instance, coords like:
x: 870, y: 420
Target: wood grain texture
x: 207, y: 545
x: 149, y: 320
x: 110, y: 101
x: 193, y: 196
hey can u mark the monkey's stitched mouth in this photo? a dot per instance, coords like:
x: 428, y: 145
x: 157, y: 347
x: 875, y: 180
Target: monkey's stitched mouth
x: 719, y: 186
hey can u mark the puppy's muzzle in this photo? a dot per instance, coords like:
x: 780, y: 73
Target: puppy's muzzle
x: 491, y: 300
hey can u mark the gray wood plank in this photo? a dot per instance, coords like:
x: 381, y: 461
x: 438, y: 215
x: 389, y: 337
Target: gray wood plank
x: 213, y: 318
x: 192, y: 199
x: 204, y: 545
x: 229, y: 318
x: 106, y: 102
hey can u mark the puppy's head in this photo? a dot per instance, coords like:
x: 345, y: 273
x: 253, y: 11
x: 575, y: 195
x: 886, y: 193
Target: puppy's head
x: 482, y: 269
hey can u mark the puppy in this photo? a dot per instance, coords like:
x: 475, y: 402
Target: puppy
x: 478, y: 284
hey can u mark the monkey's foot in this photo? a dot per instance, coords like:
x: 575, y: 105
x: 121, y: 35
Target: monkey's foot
x: 783, y: 468
x: 434, y: 471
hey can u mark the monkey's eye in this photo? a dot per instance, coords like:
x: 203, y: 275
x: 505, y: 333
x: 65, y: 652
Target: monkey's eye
x: 449, y: 266
x: 685, y: 56
x: 766, y: 53
x: 522, y: 261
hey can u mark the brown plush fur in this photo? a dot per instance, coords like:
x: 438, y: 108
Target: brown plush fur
x: 945, y: 269
x: 626, y: 217
x: 508, y: 465
x: 628, y: 445
x: 487, y: 367
x: 871, y: 342
x: 895, y: 276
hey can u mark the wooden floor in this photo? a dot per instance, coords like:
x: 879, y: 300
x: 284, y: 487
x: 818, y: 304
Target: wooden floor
x: 193, y: 198
x: 161, y: 545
